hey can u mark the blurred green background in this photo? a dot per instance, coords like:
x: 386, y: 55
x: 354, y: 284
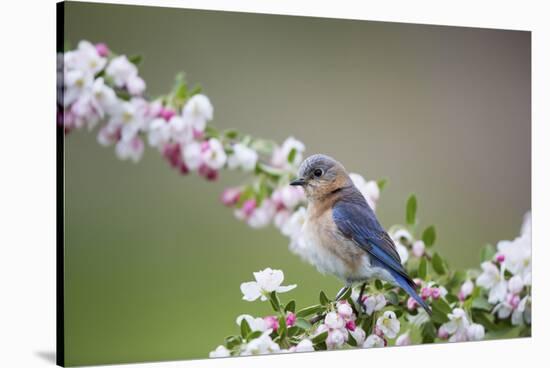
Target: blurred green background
x: 153, y: 260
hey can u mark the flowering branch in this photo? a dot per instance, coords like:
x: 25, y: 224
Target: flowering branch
x: 100, y: 88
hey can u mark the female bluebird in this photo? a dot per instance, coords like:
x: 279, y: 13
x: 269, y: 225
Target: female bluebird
x: 342, y: 233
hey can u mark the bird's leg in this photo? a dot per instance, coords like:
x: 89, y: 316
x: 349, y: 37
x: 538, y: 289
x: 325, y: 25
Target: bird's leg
x: 360, y: 297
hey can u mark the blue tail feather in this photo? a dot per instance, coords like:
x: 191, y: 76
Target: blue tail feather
x: 409, y: 286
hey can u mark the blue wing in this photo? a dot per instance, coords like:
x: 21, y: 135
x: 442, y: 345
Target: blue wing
x: 357, y: 222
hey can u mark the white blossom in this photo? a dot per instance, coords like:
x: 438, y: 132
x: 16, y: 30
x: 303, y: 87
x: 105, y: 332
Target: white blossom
x: 334, y: 321
x: 213, y: 155
x: 358, y: 335
x: 198, y: 111
x: 369, y: 189
x: 130, y: 149
x: 192, y: 155
x: 135, y: 85
x: 262, y: 215
x: 403, y: 339
x: 255, y: 324
x: 159, y: 132
x: 304, y: 345
x: 220, y: 352
x: 281, y: 154
x: 120, y: 69
x: 515, y: 284
x: 267, y: 281
x: 388, y: 324
x: 475, y: 332
x: 242, y: 157
x: 457, y: 326
x: 493, y: 280
x: 261, y: 345
x: 336, y: 338
x: 374, y: 303
x: 373, y: 341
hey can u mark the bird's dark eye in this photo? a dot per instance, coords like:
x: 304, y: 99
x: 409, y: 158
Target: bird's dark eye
x: 318, y: 173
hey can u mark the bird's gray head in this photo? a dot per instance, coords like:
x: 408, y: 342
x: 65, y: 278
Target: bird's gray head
x: 320, y: 175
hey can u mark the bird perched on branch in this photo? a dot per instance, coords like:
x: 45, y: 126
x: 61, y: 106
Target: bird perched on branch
x: 342, y: 233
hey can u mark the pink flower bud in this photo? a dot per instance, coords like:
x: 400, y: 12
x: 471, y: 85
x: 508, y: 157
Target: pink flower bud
x: 513, y: 300
x: 249, y: 206
x: 184, y: 170
x: 442, y: 333
x: 230, y: 196
x: 166, y: 113
x: 418, y: 282
x: 411, y: 304
x: 205, y: 146
x: 500, y: 258
x: 418, y: 248
x: 290, y: 319
x: 197, y: 134
x: 425, y: 292
x: 436, y: 293
x: 350, y: 325
x: 461, y: 296
x: 378, y: 331
x: 102, y: 49
x: 172, y: 154
x: 208, y: 173
x: 272, y: 322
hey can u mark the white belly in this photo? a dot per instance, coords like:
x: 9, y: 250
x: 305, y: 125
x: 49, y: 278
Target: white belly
x: 327, y: 262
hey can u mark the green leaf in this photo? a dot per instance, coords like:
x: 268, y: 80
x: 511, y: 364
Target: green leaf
x: 135, y: 59
x: 308, y: 311
x: 253, y: 335
x: 346, y: 295
x: 428, y: 332
x: 232, y: 341
x: 275, y: 302
x: 440, y: 309
x: 211, y: 132
x: 382, y: 184
x: 245, y: 328
x: 292, y: 331
x: 291, y: 306
x: 269, y: 170
x: 323, y: 299
x: 231, y: 133
x: 392, y: 298
x: 196, y: 90
x: 320, y: 338
x: 378, y: 284
x: 482, y: 303
x: 438, y: 264
x: 411, y: 210
x: 292, y: 155
x: 428, y: 236
x: 488, y: 251
x: 423, y: 268
x: 303, y: 323
x: 351, y: 340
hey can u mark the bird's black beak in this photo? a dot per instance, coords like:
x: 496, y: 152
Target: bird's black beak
x: 300, y: 182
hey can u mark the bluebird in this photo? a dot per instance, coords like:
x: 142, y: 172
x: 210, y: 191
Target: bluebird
x: 341, y: 231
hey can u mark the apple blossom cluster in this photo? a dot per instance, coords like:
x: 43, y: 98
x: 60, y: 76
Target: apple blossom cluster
x: 467, y: 305
x: 98, y: 87
x: 507, y: 277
